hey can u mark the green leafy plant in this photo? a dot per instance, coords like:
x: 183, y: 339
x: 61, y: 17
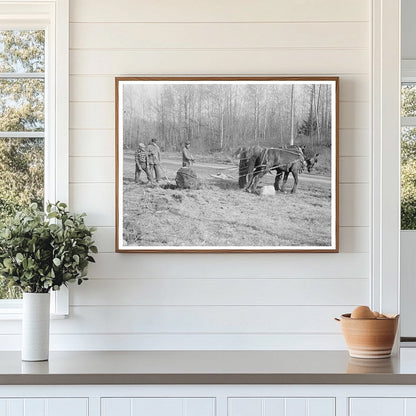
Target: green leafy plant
x: 43, y: 251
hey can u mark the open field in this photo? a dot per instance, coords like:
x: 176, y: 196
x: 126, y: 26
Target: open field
x: 221, y: 214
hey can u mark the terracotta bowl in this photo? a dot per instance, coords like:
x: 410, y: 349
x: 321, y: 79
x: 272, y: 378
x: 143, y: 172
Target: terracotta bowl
x: 369, y: 338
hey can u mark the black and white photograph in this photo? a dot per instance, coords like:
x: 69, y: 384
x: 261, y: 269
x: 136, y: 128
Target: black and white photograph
x: 227, y: 164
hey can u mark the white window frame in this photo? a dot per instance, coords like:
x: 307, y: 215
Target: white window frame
x: 385, y: 96
x: 53, y: 17
x: 407, y: 236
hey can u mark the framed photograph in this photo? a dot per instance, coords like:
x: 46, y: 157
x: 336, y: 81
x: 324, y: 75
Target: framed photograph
x: 227, y: 164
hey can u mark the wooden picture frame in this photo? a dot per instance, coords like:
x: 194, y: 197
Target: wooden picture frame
x: 222, y: 191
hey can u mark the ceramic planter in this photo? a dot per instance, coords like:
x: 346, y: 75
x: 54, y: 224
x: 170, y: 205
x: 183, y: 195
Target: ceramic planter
x: 369, y: 338
x: 35, y: 326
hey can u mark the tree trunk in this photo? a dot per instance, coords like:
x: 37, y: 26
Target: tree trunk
x: 292, y: 115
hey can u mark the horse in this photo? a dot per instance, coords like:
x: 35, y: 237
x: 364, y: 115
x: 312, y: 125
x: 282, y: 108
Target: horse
x: 294, y: 168
x: 283, y: 161
x: 311, y: 161
x: 249, y: 156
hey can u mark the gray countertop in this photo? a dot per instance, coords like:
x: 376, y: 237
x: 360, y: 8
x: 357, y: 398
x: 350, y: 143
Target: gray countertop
x: 207, y: 367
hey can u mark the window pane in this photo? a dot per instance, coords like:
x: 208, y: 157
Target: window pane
x: 21, y: 182
x: 22, y: 105
x: 22, y: 51
x: 408, y: 179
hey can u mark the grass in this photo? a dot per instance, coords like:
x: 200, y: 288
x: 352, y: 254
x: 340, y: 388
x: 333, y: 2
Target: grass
x: 221, y: 214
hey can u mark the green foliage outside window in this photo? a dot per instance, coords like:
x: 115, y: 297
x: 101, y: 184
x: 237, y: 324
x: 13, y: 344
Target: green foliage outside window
x: 21, y: 110
x: 408, y: 160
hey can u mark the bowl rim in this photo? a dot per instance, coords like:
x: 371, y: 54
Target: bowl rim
x: 388, y: 318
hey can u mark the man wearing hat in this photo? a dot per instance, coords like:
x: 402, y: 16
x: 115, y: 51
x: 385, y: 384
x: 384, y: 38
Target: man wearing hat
x: 187, y: 158
x: 154, y: 159
x: 141, y: 159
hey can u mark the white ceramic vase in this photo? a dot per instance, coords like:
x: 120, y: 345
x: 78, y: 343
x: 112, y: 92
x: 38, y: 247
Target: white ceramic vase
x: 35, y: 326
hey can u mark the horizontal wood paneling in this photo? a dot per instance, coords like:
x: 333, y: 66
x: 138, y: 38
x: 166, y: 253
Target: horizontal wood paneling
x: 90, y: 169
x: 354, y: 205
x: 220, y: 291
x: 104, y: 238
x: 218, y: 36
x: 194, y: 320
x: 146, y: 342
x: 352, y: 239
x: 354, y: 170
x: 94, y: 143
x: 218, y: 11
x: 96, y: 199
x: 267, y: 265
x: 92, y: 115
x: 287, y: 297
x: 354, y: 142
x: 201, y: 319
x: 219, y: 62
x: 100, y: 88
x: 87, y: 115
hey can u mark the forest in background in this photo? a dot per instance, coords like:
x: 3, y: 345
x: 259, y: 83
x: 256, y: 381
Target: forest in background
x: 221, y: 117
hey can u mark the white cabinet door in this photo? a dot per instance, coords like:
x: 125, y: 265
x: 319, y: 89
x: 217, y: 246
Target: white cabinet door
x: 160, y: 406
x: 269, y: 406
x: 44, y: 407
x: 382, y: 407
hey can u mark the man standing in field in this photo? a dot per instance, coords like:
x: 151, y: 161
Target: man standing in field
x: 154, y: 159
x: 142, y: 163
x: 187, y: 158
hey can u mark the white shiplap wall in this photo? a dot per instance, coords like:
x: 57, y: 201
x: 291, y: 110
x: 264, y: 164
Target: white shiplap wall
x: 218, y: 301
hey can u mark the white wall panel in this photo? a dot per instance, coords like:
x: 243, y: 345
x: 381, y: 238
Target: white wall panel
x: 354, y: 170
x: 354, y: 239
x: 91, y: 169
x: 353, y: 115
x: 92, y: 115
x: 95, y: 143
x: 96, y: 199
x: 222, y: 300
x: 190, y: 341
x: 215, y: 291
x: 218, y: 35
x: 218, y: 11
x: 284, y: 265
x: 354, y: 202
x: 92, y: 88
x: 219, y: 62
x: 354, y: 142
x: 199, y: 319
